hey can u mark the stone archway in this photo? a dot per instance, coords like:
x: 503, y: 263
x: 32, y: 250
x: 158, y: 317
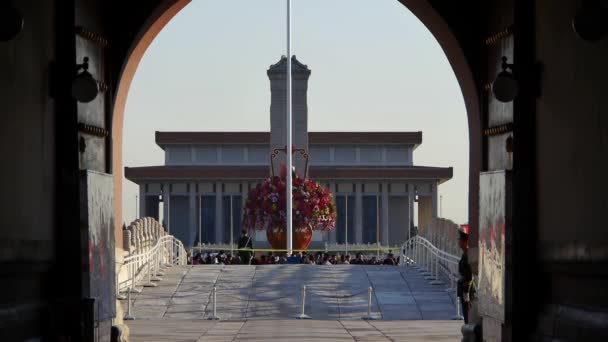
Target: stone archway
x: 455, y: 55
x: 149, y: 30
x: 420, y: 8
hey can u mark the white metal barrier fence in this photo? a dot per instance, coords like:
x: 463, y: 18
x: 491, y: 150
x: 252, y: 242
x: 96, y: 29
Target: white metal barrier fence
x: 145, y: 268
x: 435, y: 264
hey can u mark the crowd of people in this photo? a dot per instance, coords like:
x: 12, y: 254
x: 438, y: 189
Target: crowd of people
x: 270, y: 258
x: 244, y: 256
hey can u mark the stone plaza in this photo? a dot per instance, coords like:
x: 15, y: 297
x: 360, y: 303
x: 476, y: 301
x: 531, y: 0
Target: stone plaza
x: 261, y: 302
x: 294, y: 330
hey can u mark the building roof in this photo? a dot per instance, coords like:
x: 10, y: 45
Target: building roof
x: 334, y: 138
x: 147, y: 173
x: 280, y: 67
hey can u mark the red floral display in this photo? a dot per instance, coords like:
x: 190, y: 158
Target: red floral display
x: 313, y: 205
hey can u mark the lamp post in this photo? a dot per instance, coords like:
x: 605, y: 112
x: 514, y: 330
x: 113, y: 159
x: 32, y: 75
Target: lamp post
x: 505, y: 87
x: 136, y: 211
x: 288, y: 152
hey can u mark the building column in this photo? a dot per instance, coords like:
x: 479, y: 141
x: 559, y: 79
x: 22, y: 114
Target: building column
x: 141, y: 202
x: 193, y: 210
x: 384, y: 216
x: 410, y: 212
x: 358, y: 213
x: 244, y: 194
x: 434, y: 199
x: 219, y: 217
x: 166, y: 206
x: 332, y: 234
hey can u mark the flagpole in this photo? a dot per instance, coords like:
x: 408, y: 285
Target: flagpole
x: 288, y: 154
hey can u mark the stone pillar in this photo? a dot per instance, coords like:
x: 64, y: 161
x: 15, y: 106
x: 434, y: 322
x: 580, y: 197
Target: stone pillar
x: 278, y: 109
x: 434, y: 199
x: 192, y: 210
x: 166, y: 206
x: 244, y: 193
x: 156, y: 228
x: 333, y: 187
x: 138, y: 238
x: 219, y: 218
x: 142, y: 201
x: 126, y: 240
x: 150, y: 224
x: 140, y: 234
x: 142, y: 239
x: 410, y: 214
x: 151, y: 231
x: 133, y: 229
x: 384, y: 238
x: 146, y: 231
x: 358, y: 213
x: 131, y: 237
x: 159, y: 229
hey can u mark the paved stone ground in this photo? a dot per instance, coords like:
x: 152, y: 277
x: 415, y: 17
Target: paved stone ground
x: 272, y: 292
x: 293, y: 330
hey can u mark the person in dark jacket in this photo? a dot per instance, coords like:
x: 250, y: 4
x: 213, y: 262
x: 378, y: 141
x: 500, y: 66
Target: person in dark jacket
x: 465, y: 288
x: 245, y: 242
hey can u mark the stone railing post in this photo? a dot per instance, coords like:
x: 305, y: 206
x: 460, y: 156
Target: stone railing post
x: 146, y: 235
x: 126, y: 240
x: 153, y: 231
x: 131, y: 229
x: 140, y: 239
x: 156, y: 230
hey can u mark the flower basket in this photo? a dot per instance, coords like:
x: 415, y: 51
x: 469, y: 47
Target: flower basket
x: 313, y: 209
x: 277, y: 237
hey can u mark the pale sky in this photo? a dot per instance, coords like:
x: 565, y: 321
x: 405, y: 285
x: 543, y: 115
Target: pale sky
x: 375, y: 67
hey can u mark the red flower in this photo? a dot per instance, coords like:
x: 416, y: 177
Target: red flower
x: 312, y: 204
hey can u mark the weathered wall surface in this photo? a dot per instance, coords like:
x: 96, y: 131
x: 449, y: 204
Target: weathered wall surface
x: 572, y: 169
x: 27, y: 132
x: 494, y: 229
x: 98, y: 271
x: 572, y: 128
x: 27, y: 175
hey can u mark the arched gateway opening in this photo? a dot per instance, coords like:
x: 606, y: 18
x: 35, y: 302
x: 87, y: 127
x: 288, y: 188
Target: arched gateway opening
x: 420, y: 8
x: 550, y: 143
x: 164, y: 13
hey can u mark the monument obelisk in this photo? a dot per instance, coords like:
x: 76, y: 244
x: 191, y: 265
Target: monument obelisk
x: 278, y: 107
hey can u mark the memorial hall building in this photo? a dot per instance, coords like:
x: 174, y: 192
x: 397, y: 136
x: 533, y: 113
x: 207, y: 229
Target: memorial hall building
x: 206, y: 176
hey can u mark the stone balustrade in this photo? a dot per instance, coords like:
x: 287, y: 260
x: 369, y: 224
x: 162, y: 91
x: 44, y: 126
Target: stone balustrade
x: 442, y: 233
x: 141, y: 235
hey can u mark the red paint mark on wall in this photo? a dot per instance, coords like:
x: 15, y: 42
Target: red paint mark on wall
x: 503, y: 239
x: 103, y: 266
